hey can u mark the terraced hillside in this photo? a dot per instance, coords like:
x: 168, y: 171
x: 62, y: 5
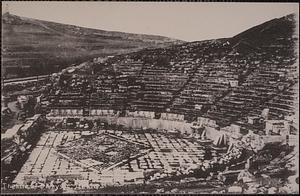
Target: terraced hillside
x: 36, y: 47
x: 223, y: 79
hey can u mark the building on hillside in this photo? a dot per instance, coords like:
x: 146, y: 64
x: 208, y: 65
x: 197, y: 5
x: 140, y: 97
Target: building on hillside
x: 254, y: 120
x: 234, y: 83
x: 278, y: 127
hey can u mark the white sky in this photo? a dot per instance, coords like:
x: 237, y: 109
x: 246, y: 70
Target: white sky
x: 181, y: 20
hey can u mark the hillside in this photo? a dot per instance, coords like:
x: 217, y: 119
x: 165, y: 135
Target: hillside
x: 223, y: 79
x: 32, y: 47
x: 266, y: 33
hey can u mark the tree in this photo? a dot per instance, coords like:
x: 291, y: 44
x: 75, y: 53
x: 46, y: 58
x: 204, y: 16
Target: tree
x: 38, y: 108
x: 30, y: 105
x: 163, y: 61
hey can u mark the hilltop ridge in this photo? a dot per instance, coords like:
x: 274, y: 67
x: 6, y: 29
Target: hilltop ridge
x: 40, y: 47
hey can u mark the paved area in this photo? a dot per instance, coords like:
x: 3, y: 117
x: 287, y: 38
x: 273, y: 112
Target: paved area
x: 166, y: 153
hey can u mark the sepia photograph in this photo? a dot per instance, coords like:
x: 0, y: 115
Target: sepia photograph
x: 103, y: 97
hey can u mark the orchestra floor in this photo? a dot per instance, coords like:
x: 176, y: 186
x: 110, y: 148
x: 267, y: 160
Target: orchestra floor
x: 165, y: 152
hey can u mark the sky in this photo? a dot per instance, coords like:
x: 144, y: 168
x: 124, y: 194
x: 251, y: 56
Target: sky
x: 180, y: 20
